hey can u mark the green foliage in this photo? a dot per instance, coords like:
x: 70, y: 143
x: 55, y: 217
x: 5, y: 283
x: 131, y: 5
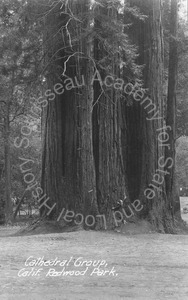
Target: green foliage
x: 106, y: 25
x: 20, y: 66
x: 33, y: 152
x: 113, y: 36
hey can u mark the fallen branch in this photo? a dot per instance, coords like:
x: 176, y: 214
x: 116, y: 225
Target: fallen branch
x: 19, y: 205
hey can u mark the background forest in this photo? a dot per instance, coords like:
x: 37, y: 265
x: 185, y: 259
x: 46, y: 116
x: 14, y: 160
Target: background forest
x: 73, y: 128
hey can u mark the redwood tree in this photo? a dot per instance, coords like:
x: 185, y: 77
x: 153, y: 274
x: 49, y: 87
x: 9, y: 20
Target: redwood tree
x: 171, y: 184
x: 148, y: 35
x: 97, y: 148
x: 69, y: 173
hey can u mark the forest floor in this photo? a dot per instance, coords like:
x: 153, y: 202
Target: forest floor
x: 141, y: 265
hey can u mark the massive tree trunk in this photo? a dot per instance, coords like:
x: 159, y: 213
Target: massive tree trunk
x: 171, y: 184
x: 69, y: 177
x: 148, y: 36
x: 128, y: 140
x: 107, y: 130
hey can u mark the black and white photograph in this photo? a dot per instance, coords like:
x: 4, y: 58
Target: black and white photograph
x: 93, y: 149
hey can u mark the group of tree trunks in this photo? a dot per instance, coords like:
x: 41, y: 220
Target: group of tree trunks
x: 96, y: 148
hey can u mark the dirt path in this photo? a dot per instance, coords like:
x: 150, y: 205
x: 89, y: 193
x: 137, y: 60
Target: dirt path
x: 152, y: 266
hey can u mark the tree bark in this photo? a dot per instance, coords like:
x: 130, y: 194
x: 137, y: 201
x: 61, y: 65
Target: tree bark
x: 148, y: 36
x: 69, y: 176
x: 171, y: 184
x: 107, y: 132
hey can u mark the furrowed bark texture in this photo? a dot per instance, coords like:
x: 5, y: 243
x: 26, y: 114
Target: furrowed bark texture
x: 148, y: 36
x: 107, y: 132
x: 70, y: 172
